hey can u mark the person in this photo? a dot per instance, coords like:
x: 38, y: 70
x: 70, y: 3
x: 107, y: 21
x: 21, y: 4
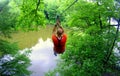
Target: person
x: 59, y: 39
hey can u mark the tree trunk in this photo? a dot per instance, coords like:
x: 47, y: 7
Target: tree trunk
x: 100, y: 21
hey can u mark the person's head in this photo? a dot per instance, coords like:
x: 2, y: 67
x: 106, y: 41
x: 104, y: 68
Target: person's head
x: 59, y: 32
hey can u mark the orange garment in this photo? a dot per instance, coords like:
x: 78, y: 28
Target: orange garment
x: 59, y: 45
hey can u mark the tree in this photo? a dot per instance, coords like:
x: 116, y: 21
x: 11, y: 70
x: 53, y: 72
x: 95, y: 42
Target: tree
x: 7, y: 17
x: 12, y: 61
x: 31, y: 14
x: 54, y: 8
x: 14, y: 15
x: 90, y: 48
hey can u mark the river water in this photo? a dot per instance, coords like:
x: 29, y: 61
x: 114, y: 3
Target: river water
x: 42, y: 58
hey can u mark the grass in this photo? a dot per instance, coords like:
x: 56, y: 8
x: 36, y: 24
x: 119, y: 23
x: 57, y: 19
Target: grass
x: 29, y: 39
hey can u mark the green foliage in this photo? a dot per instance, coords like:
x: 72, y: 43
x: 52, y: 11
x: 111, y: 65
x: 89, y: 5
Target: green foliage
x: 31, y: 14
x: 12, y: 61
x: 21, y: 15
x: 25, y: 15
x: 51, y: 7
x: 7, y: 17
x: 85, y: 54
x: 89, y: 45
x: 54, y: 8
x: 85, y: 14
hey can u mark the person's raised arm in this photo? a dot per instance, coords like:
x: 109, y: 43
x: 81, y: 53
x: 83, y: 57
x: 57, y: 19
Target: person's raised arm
x: 59, y: 26
x: 55, y: 28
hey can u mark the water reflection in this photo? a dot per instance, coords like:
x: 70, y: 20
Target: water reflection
x: 42, y: 58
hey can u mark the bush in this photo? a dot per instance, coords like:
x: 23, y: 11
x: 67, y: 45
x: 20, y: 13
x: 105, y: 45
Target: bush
x: 12, y: 61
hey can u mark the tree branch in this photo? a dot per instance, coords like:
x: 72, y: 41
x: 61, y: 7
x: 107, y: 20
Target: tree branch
x: 111, y: 49
x: 100, y: 21
x: 38, y: 3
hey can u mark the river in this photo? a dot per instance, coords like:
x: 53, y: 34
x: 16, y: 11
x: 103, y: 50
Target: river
x: 42, y: 58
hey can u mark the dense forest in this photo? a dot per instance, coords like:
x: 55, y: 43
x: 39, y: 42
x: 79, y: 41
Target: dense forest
x: 92, y: 40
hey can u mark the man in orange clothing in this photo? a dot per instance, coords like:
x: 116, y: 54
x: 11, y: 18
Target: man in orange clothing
x: 59, y: 39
